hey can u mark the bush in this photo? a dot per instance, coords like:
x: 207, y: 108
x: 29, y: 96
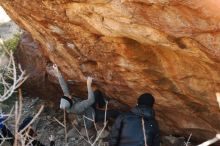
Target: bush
x: 11, y: 44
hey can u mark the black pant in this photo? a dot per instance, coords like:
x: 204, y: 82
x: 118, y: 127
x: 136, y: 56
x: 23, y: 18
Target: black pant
x: 100, y: 115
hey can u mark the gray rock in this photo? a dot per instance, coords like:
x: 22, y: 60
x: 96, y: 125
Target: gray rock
x: 72, y: 133
x: 61, y: 132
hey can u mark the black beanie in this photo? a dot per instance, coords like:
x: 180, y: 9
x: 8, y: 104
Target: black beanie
x: 146, y: 99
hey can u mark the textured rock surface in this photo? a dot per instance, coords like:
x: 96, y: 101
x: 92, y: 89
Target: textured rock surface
x: 170, y: 48
x: 39, y: 84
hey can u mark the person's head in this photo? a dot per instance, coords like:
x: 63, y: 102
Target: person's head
x: 99, y: 98
x: 146, y: 99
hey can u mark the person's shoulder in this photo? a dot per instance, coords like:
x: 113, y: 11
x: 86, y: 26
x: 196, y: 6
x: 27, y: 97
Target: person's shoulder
x: 125, y: 115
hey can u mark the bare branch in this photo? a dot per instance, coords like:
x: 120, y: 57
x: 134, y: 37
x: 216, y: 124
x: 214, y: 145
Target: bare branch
x: 34, y: 118
x: 186, y: 143
x: 65, y: 128
x: 105, y: 124
x: 98, y: 132
x: 59, y: 122
x: 211, y: 141
x: 9, y: 78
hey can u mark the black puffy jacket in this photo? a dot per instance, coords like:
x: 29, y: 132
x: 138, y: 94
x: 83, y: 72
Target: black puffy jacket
x: 128, y: 131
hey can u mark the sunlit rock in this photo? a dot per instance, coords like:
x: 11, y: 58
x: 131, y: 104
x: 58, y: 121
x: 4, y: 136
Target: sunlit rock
x: 170, y: 48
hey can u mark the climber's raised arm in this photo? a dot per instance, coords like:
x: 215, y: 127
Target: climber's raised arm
x: 62, y: 82
x: 66, y: 101
x: 80, y: 107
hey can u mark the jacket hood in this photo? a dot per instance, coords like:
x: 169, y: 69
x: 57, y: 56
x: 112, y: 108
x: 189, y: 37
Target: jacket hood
x: 146, y: 112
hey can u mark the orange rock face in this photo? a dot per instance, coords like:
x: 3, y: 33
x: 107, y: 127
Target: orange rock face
x: 30, y: 55
x: 170, y: 48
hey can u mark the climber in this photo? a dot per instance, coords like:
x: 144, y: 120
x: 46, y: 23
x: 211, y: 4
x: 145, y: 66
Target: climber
x: 137, y: 127
x: 92, y: 108
x: 71, y: 105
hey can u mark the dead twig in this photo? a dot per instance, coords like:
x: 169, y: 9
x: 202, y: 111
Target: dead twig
x: 211, y: 141
x: 186, y: 143
x: 65, y: 128
x: 9, y: 77
x: 59, y: 122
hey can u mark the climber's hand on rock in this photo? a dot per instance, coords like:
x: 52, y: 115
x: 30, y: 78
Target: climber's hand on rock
x: 89, y: 81
x: 65, y: 102
x: 55, y: 69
